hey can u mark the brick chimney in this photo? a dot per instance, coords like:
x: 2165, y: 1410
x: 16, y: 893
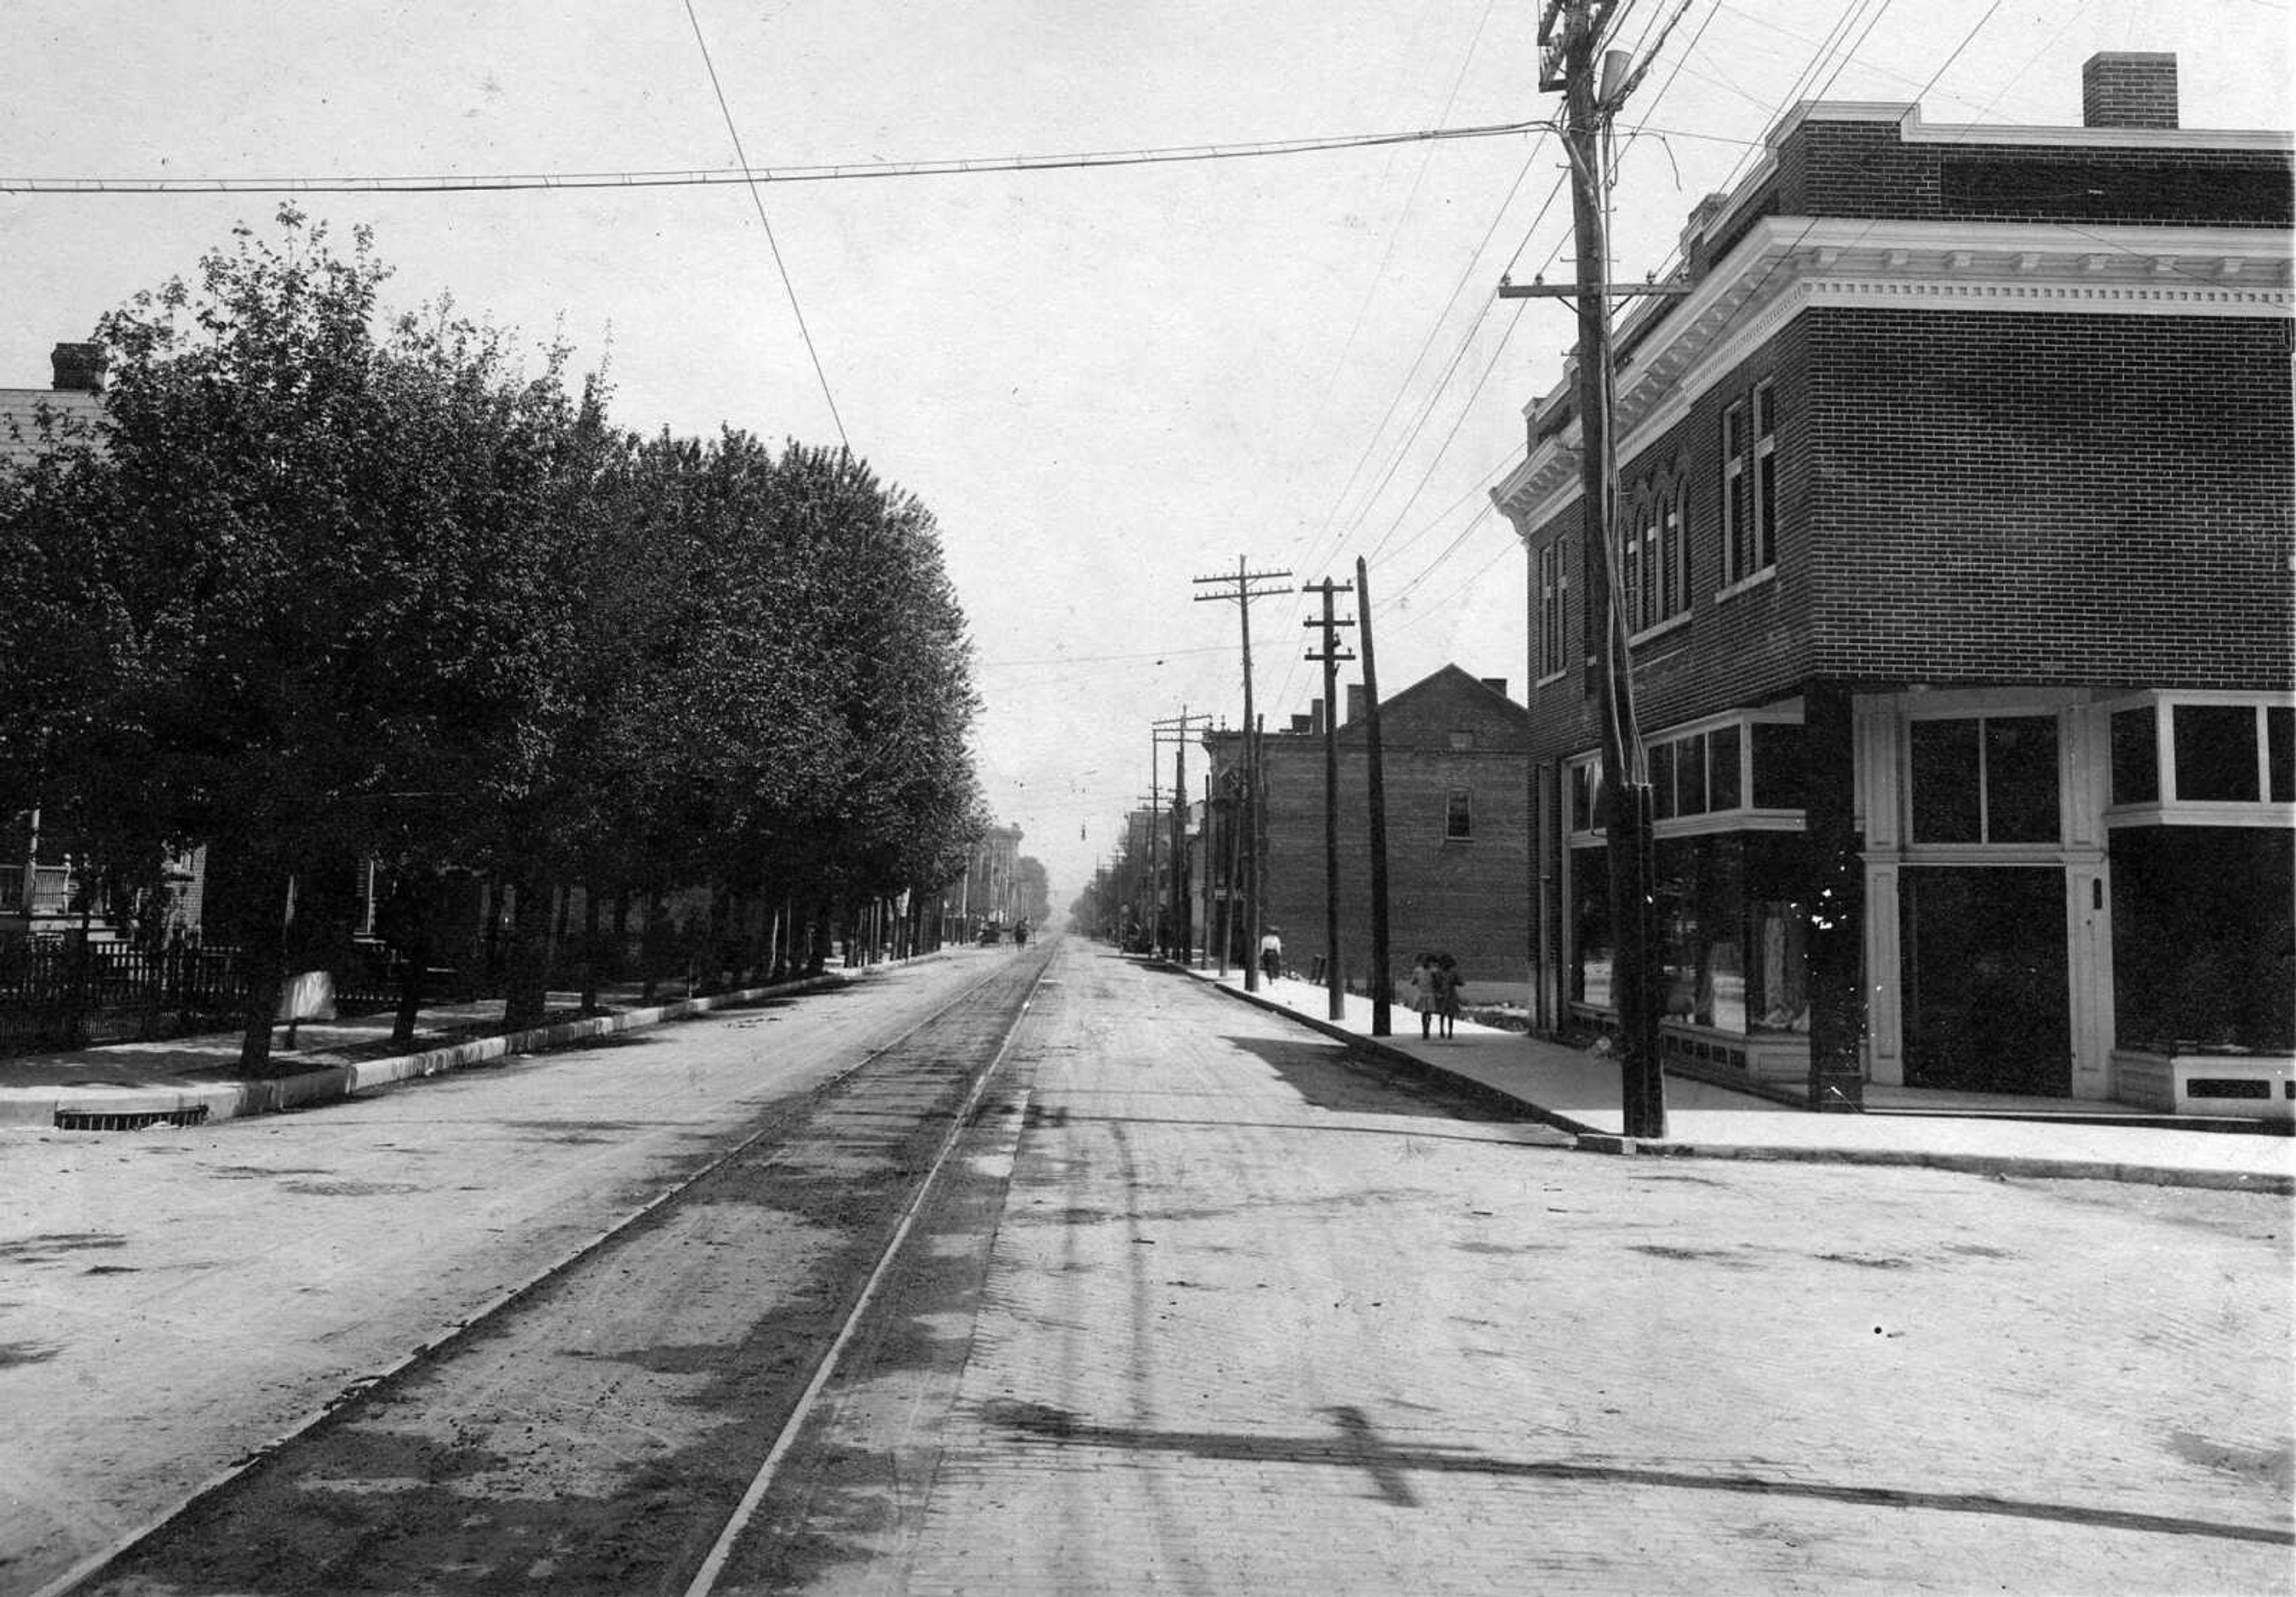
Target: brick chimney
x: 1316, y: 716
x: 2128, y: 89
x: 78, y: 367
x: 1356, y: 707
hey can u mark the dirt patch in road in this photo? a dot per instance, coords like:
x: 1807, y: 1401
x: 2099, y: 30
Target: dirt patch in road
x: 594, y: 1436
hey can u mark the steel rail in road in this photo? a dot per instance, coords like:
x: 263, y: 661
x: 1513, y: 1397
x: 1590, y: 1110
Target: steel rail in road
x: 95, y: 1566
x: 705, y: 1578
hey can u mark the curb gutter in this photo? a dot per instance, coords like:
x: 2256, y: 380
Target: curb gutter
x: 1593, y: 1140
x: 330, y: 1083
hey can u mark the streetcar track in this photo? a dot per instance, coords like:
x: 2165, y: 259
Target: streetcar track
x: 713, y: 1566
x: 362, y: 1392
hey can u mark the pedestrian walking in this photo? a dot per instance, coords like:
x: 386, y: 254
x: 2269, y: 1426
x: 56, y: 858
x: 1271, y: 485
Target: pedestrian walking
x: 1423, y: 992
x: 1447, y: 984
x: 1271, y: 953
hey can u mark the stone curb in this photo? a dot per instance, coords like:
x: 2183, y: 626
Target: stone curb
x: 1520, y: 1108
x: 2006, y: 1166
x: 331, y: 1084
x: 1592, y: 1140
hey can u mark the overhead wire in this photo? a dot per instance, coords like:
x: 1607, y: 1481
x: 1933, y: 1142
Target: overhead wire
x: 844, y: 171
x: 1371, y: 289
x: 758, y: 201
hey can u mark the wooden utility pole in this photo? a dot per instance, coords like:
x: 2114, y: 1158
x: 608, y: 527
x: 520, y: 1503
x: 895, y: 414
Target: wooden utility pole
x: 1571, y: 59
x: 1150, y: 893
x: 1177, y: 730
x: 1245, y: 585
x: 1334, y: 980
x: 1382, y: 999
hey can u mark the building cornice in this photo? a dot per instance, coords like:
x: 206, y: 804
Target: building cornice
x: 1786, y: 264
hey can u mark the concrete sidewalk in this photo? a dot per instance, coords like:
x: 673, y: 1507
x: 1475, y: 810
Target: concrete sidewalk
x: 190, y: 1080
x: 1577, y: 1091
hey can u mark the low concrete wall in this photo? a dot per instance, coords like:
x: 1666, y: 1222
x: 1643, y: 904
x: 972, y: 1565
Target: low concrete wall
x: 326, y: 1083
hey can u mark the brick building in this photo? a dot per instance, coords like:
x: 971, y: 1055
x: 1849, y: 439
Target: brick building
x: 1955, y: 548
x: 984, y: 897
x: 1457, y: 830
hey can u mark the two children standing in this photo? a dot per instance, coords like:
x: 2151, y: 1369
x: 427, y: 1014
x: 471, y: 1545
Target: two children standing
x: 1435, y: 984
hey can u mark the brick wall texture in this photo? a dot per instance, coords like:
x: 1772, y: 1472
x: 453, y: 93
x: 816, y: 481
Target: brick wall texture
x: 1466, y: 896
x: 1980, y: 498
x: 1866, y: 170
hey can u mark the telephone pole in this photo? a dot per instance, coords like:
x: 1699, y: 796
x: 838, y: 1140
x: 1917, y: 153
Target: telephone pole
x: 1382, y: 1000
x: 1334, y: 983
x: 1570, y: 34
x: 1176, y: 731
x: 1244, y: 586
x: 1151, y: 895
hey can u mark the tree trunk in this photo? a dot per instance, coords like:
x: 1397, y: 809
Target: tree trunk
x: 527, y: 986
x: 651, y: 945
x: 262, y: 954
x: 590, y: 950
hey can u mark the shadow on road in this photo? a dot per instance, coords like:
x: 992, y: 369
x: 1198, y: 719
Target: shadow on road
x: 1331, y: 1075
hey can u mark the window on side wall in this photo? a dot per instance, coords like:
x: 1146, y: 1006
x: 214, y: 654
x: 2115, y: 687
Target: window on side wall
x: 1677, y: 552
x: 1765, y: 550
x: 1737, y: 489
x: 1749, y: 484
x: 1554, y: 589
x: 1459, y: 816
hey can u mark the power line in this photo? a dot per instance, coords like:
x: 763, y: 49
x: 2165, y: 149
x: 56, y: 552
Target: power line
x: 759, y: 201
x: 1427, y: 343
x: 1411, y: 198
x: 1081, y: 659
x: 843, y: 171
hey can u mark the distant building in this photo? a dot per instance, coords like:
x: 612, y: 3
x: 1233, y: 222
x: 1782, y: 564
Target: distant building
x: 1958, y: 559
x: 1458, y: 836
x: 984, y: 897
x: 40, y: 868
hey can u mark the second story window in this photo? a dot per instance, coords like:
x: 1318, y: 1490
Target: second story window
x: 1749, y: 484
x: 1678, y: 553
x: 1553, y: 588
x: 1459, y: 819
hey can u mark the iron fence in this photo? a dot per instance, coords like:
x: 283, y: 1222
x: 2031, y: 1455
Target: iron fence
x: 62, y: 991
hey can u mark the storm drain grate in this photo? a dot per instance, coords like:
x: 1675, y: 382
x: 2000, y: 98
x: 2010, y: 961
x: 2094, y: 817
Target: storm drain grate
x: 84, y: 1120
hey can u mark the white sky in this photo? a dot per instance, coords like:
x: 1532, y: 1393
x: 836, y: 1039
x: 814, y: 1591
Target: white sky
x: 1104, y: 382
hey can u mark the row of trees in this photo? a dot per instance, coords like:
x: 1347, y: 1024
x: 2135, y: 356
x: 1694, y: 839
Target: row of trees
x: 320, y: 585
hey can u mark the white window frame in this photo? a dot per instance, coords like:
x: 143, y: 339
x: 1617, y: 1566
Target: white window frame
x: 1764, y: 497
x: 1984, y: 850
x: 2169, y: 810
x: 1739, y: 816
x: 1553, y: 605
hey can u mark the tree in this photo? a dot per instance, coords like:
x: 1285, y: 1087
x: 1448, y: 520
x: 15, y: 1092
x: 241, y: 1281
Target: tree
x: 305, y: 552
x: 1033, y: 889
x: 316, y: 587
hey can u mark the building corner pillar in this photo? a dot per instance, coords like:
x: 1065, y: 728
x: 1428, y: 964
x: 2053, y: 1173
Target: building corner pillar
x: 1836, y: 904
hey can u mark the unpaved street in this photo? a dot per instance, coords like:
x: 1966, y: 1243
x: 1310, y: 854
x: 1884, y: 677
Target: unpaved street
x: 1253, y: 1323
x: 1204, y: 1304
x: 171, y: 1299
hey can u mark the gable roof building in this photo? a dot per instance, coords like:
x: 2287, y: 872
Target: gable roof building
x: 1454, y: 747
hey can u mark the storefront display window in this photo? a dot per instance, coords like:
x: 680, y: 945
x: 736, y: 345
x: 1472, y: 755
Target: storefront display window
x: 1591, y: 945
x: 1732, y: 936
x: 2202, y: 938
